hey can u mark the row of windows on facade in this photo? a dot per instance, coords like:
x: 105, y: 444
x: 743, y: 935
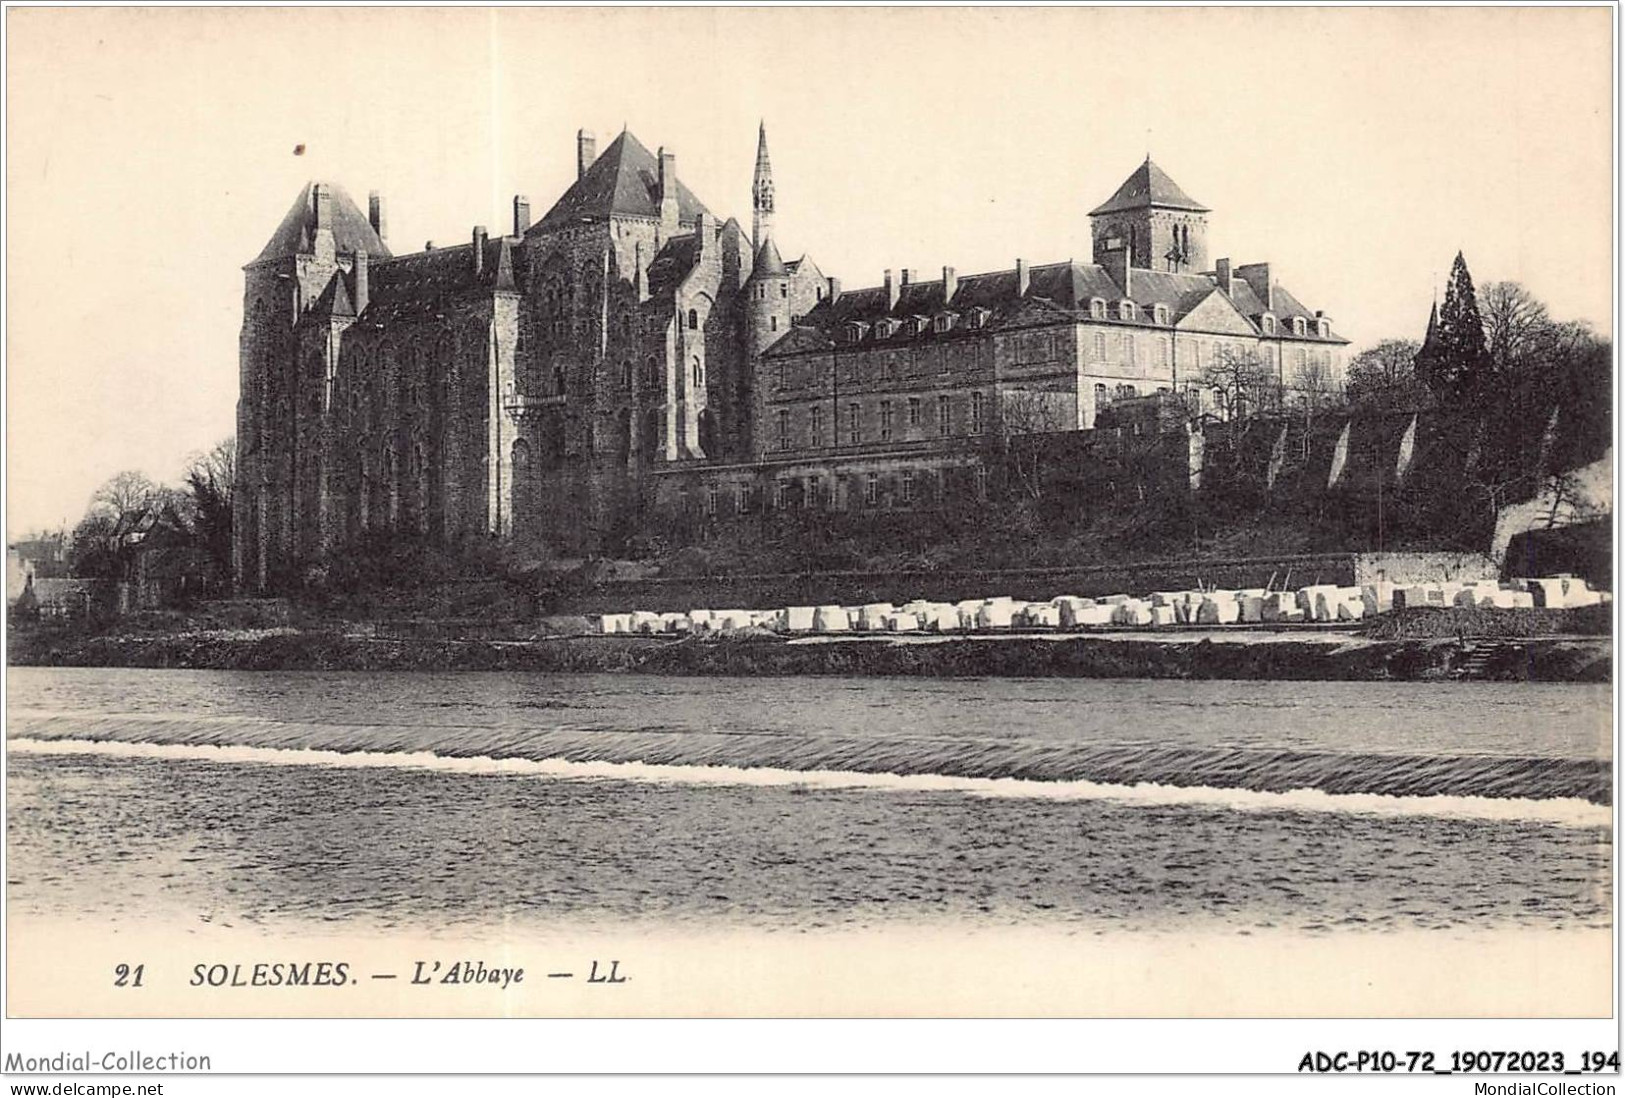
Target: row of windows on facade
x: 815, y: 492
x: 561, y: 323
x: 915, y: 412
x: 1126, y: 349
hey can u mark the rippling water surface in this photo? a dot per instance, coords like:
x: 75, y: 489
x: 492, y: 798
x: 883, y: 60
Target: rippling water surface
x: 474, y: 799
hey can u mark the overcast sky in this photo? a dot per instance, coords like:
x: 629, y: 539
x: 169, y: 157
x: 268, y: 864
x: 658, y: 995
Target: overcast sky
x: 151, y: 156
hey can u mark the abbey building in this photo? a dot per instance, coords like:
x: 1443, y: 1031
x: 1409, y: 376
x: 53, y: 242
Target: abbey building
x: 630, y: 355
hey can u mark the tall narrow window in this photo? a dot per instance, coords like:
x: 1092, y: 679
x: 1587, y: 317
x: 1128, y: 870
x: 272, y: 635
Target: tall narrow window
x: 1100, y: 345
x: 711, y: 494
x: 693, y: 319
x: 699, y: 378
x: 976, y: 413
x: 816, y: 424
x: 981, y: 483
x: 784, y: 428
x: 781, y: 495
x: 908, y: 486
x: 871, y: 489
x: 913, y: 413
x: 854, y: 433
x: 885, y: 421
x: 945, y: 416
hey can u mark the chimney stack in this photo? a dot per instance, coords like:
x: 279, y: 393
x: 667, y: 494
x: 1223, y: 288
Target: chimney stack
x: 834, y: 288
x: 428, y: 245
x: 668, y: 192
x: 891, y: 290
x: 1257, y: 277
x: 324, y: 208
x: 704, y: 232
x: 1023, y: 279
x: 908, y: 275
x: 479, y: 250
x: 361, y: 285
x: 1118, y: 260
x: 586, y: 152
x: 950, y: 284
x: 1221, y: 275
x: 375, y: 214
x: 521, y: 214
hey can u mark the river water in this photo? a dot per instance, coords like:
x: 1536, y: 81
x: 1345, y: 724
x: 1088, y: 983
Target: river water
x: 438, y: 802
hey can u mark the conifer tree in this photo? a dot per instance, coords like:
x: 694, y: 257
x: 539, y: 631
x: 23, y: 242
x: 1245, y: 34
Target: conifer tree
x: 1454, y: 361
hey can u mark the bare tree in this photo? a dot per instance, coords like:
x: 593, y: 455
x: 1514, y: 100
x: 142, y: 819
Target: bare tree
x: 1244, y: 383
x: 1384, y: 376
x: 1030, y: 412
x: 1517, y: 326
x: 105, y: 539
x: 124, y: 496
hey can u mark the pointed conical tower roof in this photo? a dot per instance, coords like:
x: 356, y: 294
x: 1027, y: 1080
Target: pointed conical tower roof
x: 768, y: 262
x: 764, y: 166
x: 1149, y: 186
x: 352, y: 231
x: 761, y: 193
x: 625, y: 179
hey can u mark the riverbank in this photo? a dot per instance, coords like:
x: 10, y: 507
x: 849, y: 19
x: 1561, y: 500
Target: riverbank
x: 1215, y: 654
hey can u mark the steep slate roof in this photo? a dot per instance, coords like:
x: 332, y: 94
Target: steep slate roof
x: 1149, y: 185
x: 334, y: 301
x: 1066, y: 286
x: 417, y: 286
x: 351, y: 229
x: 671, y: 265
x: 625, y: 179
x: 1286, y: 308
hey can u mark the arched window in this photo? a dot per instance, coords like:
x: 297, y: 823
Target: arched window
x: 693, y: 319
x: 698, y: 377
x: 651, y: 374
x: 1125, y: 310
x: 1097, y: 308
x: 1268, y: 323
x: 1298, y: 327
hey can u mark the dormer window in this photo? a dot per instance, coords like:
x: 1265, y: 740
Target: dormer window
x: 853, y: 332
x: 1323, y: 328
x: 977, y: 317
x: 1298, y: 326
x: 1125, y: 310
x: 942, y: 322
x: 1267, y: 323
x: 1097, y: 308
x: 1160, y: 314
x: 918, y: 324
x: 885, y: 327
